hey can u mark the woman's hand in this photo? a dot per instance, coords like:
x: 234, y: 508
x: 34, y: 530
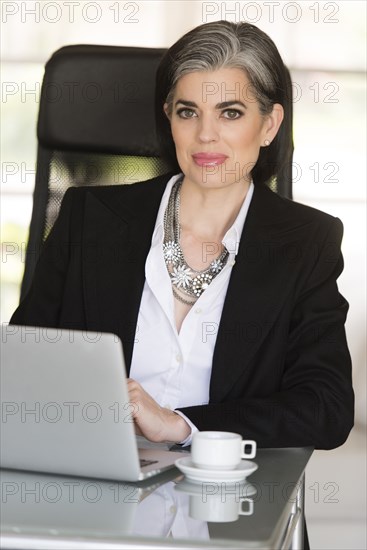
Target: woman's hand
x: 154, y: 422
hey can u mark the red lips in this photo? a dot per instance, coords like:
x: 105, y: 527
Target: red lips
x: 209, y: 159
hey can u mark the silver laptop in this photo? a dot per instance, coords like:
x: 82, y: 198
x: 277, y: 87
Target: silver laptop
x: 65, y: 407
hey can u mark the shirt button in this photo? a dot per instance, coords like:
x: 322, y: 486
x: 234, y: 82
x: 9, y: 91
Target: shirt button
x: 198, y: 310
x: 178, y: 358
x: 172, y: 509
x: 167, y: 406
x: 233, y: 262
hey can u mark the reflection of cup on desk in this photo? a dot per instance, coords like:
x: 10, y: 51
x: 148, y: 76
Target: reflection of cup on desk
x: 219, y: 503
x: 217, y: 509
x: 213, y: 450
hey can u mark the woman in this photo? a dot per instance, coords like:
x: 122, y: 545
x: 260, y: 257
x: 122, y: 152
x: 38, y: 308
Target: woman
x: 223, y: 293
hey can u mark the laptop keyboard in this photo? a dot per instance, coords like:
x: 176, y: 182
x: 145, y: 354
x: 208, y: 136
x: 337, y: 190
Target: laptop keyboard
x: 144, y: 462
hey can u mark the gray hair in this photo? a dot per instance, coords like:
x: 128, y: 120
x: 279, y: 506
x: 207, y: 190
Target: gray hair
x: 222, y: 44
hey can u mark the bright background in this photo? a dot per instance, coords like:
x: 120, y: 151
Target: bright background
x: 323, y: 44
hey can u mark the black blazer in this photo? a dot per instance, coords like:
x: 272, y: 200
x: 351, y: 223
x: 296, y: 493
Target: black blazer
x: 281, y: 371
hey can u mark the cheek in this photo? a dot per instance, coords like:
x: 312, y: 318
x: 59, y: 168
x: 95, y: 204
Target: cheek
x: 175, y: 133
x: 180, y: 138
x: 247, y: 141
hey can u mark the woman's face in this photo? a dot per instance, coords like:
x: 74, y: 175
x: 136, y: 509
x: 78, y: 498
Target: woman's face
x: 217, y: 127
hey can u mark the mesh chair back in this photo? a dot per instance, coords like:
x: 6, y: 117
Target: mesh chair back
x: 95, y: 127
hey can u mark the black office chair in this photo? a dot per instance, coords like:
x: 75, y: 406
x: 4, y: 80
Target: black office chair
x: 96, y: 127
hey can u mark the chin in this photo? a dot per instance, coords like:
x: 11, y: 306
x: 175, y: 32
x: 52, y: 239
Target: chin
x: 222, y: 179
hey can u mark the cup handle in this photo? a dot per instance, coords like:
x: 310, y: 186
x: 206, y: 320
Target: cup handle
x: 252, y: 452
x: 250, y: 509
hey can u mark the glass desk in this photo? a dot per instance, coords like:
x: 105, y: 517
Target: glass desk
x: 40, y: 511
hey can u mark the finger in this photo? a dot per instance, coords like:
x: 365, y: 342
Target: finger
x: 131, y: 382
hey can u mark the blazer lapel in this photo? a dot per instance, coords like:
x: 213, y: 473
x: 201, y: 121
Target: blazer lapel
x: 259, y: 287
x: 118, y: 227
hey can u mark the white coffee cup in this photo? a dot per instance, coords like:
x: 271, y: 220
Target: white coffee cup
x: 220, y: 450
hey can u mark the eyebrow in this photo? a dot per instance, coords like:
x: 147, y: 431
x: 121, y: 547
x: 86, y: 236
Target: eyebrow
x: 221, y: 105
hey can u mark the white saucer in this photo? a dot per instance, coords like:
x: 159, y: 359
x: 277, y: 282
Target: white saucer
x: 244, y: 469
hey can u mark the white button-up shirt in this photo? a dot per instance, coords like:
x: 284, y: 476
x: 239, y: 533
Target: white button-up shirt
x: 175, y: 367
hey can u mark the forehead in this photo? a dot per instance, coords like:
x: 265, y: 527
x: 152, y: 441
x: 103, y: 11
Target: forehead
x: 226, y: 84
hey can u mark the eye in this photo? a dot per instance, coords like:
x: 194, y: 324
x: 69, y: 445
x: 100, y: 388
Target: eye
x: 232, y: 114
x: 185, y: 112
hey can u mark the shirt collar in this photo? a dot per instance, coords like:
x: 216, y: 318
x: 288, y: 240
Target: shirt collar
x: 232, y: 237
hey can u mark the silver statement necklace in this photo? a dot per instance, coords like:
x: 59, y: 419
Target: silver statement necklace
x: 184, y: 278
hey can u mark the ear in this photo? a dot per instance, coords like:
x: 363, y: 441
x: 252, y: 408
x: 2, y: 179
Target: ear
x: 272, y: 124
x: 166, y: 109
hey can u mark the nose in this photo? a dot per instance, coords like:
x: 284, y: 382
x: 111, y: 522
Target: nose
x: 207, y: 129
